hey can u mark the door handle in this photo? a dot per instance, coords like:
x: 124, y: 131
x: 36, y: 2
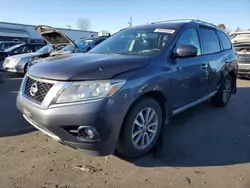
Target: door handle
x: 204, y: 66
x: 226, y: 60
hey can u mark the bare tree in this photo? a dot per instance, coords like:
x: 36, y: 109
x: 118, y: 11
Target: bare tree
x: 238, y: 29
x: 222, y: 26
x: 105, y: 31
x: 83, y: 24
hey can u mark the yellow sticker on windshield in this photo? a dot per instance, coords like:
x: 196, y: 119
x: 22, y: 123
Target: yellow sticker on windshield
x: 170, y: 31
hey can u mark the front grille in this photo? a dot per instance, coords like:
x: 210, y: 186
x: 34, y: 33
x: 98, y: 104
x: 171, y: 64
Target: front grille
x: 42, y: 89
x: 244, y: 61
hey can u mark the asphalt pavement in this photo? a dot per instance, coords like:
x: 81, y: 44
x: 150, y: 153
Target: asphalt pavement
x: 11, y: 119
x: 202, y: 147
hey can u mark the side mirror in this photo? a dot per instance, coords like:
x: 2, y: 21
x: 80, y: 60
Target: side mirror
x: 186, y: 51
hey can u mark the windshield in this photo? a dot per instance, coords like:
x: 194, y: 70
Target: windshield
x: 45, y: 49
x: 136, y: 41
x: 79, y: 43
x: 13, y: 47
x: 4, y: 46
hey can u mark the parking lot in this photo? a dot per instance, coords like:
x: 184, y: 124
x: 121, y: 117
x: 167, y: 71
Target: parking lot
x: 204, y: 147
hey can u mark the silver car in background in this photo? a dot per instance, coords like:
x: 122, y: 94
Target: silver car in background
x: 18, y: 63
x: 240, y: 37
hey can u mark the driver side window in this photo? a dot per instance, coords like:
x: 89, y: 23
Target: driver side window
x: 189, y: 37
x: 18, y: 50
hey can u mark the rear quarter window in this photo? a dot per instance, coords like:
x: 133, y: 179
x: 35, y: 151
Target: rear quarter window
x: 226, y: 43
x: 210, y: 41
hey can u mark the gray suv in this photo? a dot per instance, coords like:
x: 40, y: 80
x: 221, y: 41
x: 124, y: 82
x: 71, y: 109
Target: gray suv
x: 121, y: 93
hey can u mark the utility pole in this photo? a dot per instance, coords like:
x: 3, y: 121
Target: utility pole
x: 130, y: 22
x: 68, y: 26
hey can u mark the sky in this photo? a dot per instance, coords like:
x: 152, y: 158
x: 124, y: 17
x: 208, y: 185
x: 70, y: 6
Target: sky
x: 114, y: 15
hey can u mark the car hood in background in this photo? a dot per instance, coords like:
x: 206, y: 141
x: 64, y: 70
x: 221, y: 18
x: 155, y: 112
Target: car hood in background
x: 89, y: 66
x: 27, y: 55
x: 60, y: 52
x: 53, y: 36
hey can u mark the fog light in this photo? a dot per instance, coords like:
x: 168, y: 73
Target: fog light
x: 90, y: 133
x: 87, y: 133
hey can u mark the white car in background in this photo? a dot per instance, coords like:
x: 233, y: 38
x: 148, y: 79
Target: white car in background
x: 240, y: 37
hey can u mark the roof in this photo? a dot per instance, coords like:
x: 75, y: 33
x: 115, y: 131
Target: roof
x: 166, y: 25
x: 10, y: 42
x: 12, y: 30
x: 176, y: 24
x: 54, y: 27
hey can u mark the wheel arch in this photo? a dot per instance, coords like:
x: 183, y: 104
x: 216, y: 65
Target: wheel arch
x: 160, y: 98
x: 233, y: 75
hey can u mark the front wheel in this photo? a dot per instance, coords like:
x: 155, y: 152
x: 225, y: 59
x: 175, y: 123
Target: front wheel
x: 223, y: 96
x: 141, y: 128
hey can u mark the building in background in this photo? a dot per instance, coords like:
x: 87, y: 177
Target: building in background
x: 28, y: 34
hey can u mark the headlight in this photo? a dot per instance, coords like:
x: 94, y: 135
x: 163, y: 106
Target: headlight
x: 88, y: 90
x: 14, y: 61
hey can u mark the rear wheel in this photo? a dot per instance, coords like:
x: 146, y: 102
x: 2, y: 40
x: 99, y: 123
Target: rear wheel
x: 141, y: 128
x: 222, y: 97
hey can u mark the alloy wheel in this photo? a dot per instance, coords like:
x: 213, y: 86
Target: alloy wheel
x: 227, y: 90
x: 144, y: 128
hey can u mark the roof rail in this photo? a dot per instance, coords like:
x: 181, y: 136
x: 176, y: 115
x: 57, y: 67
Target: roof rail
x: 190, y: 20
x: 175, y: 20
x: 207, y: 23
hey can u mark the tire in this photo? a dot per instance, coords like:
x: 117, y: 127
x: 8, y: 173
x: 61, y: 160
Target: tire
x: 25, y: 69
x: 218, y: 99
x: 126, y: 144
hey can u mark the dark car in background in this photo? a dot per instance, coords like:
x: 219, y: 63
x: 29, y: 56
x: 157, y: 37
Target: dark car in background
x: 121, y: 93
x: 18, y: 49
x: 83, y: 45
x: 7, y: 44
x: 243, y: 51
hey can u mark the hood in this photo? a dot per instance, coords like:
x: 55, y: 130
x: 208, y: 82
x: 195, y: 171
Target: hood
x: 53, y: 36
x: 60, y: 52
x: 86, y: 66
x: 28, y: 55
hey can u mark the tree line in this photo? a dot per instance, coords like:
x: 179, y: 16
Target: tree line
x: 85, y: 24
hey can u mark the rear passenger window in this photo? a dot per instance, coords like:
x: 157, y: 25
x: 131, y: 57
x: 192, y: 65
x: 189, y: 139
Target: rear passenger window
x: 210, y: 41
x: 226, y: 43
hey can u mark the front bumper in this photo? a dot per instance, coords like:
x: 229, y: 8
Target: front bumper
x: 98, y: 114
x: 18, y: 68
x: 244, y: 69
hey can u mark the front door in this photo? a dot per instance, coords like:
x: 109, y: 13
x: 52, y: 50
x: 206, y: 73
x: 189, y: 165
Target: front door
x: 189, y: 75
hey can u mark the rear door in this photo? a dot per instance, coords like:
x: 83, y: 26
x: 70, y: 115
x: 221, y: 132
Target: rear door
x: 189, y: 76
x: 213, y: 54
